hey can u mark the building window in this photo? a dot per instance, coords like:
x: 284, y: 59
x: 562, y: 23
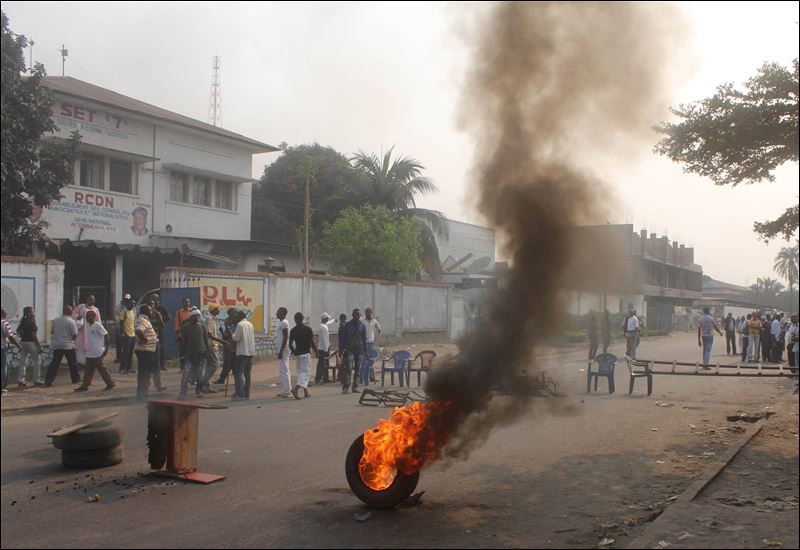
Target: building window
x: 179, y: 187
x: 120, y: 176
x: 201, y: 191
x: 224, y: 195
x: 92, y: 170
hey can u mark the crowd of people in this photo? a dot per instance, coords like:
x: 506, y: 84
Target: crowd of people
x: 205, y: 345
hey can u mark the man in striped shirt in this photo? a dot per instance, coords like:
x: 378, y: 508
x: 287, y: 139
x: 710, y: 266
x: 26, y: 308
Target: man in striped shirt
x: 6, y: 335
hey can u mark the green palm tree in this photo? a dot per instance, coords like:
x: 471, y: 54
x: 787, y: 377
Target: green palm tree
x: 786, y: 264
x: 396, y: 184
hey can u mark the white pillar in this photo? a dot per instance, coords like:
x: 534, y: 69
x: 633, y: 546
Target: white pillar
x: 116, y: 282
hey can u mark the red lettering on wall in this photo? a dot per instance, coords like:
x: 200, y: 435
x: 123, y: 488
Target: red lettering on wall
x: 78, y: 113
x: 78, y: 197
x: 66, y: 109
x: 225, y: 300
x: 209, y: 294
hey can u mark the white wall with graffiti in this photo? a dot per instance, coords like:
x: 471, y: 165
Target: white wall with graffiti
x: 32, y: 282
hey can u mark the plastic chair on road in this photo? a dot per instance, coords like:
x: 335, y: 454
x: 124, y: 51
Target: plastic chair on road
x: 606, y: 363
x: 426, y: 358
x: 397, y: 363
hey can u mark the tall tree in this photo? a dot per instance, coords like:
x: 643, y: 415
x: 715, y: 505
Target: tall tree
x: 374, y: 243
x: 32, y: 171
x: 741, y: 136
x: 278, y: 198
x: 396, y: 184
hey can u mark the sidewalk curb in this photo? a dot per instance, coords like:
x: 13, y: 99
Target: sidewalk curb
x: 653, y: 531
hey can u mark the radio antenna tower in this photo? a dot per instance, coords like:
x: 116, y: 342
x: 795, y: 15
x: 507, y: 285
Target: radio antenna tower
x: 215, y: 97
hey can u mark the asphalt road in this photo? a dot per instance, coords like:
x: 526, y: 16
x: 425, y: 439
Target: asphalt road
x: 570, y: 472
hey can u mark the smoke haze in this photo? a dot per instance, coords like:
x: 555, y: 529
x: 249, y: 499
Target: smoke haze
x: 549, y: 86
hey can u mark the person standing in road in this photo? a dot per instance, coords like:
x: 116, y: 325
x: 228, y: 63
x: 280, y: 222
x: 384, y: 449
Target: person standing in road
x: 754, y: 345
x: 96, y: 350
x: 159, y: 317
x: 730, y: 334
x: 606, y: 331
x: 355, y: 344
x: 301, y: 342
x: 194, y: 348
x: 31, y: 348
x: 229, y: 348
x: 281, y: 342
x: 705, y: 338
x: 592, y: 337
x: 373, y: 329
x: 793, y: 344
x: 744, y: 331
x: 146, y: 349
x: 631, y: 329
x: 245, y: 338
x: 6, y: 335
x: 65, y: 332
x: 127, y: 320
x: 79, y: 314
x: 215, y: 345
x: 775, y: 334
x: 323, y: 351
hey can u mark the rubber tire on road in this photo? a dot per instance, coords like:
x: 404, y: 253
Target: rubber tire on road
x: 90, y: 439
x: 397, y: 493
x: 83, y: 460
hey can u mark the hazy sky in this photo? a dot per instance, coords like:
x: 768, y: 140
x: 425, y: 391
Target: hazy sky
x: 371, y: 76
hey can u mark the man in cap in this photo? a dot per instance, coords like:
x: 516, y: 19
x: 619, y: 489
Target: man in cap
x: 324, y: 349
x: 215, y: 344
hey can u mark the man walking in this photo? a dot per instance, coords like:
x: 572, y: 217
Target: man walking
x: 631, y: 330
x: 31, y: 348
x: 301, y: 342
x: 281, y: 342
x: 80, y: 313
x: 730, y: 334
x: 705, y: 338
x: 65, y: 332
x: 181, y: 318
x: 215, y: 344
x: 194, y: 348
x: 245, y: 339
x: 355, y: 343
x: 775, y: 333
x: 145, y: 347
x: 159, y: 317
x: 96, y: 350
x: 745, y: 333
x: 323, y: 351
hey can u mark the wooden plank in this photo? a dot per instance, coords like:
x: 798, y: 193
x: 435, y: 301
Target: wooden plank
x: 76, y: 427
x: 184, y: 443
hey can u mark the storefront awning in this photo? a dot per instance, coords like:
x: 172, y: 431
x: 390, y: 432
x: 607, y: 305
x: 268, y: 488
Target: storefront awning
x: 112, y: 247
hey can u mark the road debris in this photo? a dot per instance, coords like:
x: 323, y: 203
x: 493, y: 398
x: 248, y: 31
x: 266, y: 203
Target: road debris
x: 361, y: 518
x: 663, y: 404
x: 772, y: 542
x: 606, y: 542
x: 93, y: 498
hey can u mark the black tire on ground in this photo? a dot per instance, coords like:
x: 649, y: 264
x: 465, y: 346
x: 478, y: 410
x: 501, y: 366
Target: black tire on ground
x: 90, y: 439
x: 83, y: 460
x: 396, y: 494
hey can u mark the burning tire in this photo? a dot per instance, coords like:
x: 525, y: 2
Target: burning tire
x: 400, y: 489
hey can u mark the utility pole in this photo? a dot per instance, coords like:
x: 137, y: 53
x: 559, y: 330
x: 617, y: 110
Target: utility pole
x: 64, y: 54
x: 306, y: 222
x: 215, y: 97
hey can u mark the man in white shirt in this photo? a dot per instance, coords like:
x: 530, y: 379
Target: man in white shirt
x: 245, y: 340
x: 282, y: 345
x: 96, y: 349
x: 373, y: 328
x: 324, y: 348
x: 775, y: 333
x: 632, y: 333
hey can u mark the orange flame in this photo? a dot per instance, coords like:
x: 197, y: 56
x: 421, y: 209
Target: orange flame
x: 405, y: 442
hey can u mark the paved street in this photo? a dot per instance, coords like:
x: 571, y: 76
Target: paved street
x: 574, y: 471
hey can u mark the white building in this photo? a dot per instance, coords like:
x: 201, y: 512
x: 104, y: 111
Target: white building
x: 152, y: 188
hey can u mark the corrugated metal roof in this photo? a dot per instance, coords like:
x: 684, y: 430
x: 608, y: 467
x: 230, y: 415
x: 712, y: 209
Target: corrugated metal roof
x: 67, y: 85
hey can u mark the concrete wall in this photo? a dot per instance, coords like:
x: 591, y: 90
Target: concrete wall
x: 401, y: 308
x: 33, y: 282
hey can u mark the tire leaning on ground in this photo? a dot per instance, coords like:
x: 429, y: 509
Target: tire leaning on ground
x: 400, y: 489
x: 90, y: 439
x: 99, y: 458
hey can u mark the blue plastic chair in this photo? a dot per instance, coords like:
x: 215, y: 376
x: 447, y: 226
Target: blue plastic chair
x: 606, y: 363
x: 398, y: 363
x: 367, y: 373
